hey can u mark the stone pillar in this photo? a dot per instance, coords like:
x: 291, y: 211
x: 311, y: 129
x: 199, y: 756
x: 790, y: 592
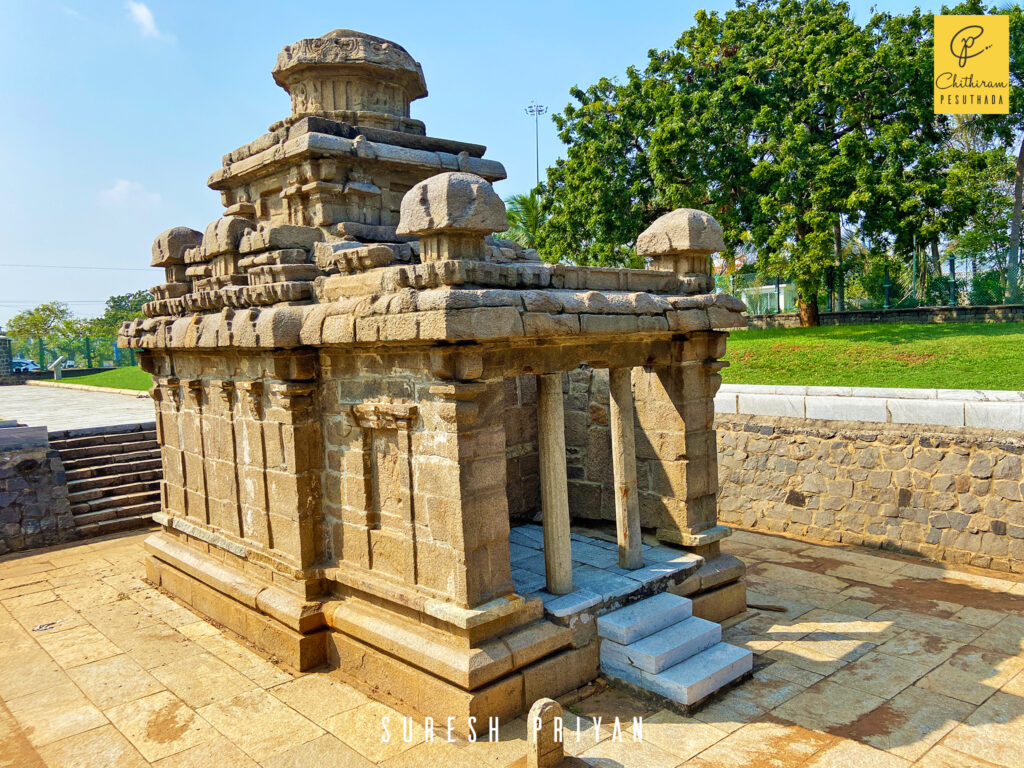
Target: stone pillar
x: 675, y: 405
x: 678, y: 408
x: 627, y: 502
x: 459, y: 478
x: 554, y: 488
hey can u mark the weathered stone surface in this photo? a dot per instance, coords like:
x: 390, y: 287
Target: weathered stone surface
x: 169, y: 247
x: 34, y: 506
x: 452, y: 202
x: 940, y: 502
x: 683, y: 230
x: 374, y: 62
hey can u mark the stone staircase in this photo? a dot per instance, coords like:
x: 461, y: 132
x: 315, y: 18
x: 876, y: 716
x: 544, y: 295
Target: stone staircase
x: 113, y: 476
x: 657, y: 645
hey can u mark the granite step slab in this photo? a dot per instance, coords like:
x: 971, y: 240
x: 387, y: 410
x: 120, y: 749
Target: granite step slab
x: 643, y: 618
x: 667, y: 647
x: 691, y: 680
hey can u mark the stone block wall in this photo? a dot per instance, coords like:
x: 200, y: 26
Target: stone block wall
x: 588, y: 446
x: 34, y: 506
x: 522, y: 462
x: 674, y: 451
x: 948, y: 493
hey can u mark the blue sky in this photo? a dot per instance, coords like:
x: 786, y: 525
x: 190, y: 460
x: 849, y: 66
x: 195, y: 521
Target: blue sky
x: 115, y: 113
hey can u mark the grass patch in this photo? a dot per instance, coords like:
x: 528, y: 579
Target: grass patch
x: 129, y: 377
x: 954, y: 356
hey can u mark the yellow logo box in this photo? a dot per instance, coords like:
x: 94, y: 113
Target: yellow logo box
x: 972, y: 65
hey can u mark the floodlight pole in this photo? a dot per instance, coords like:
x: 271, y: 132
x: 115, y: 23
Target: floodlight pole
x: 535, y: 110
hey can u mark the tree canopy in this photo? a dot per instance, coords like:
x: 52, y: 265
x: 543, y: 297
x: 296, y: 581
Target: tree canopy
x: 785, y: 119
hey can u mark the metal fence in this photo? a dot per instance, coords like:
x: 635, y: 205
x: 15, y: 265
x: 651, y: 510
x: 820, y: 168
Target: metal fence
x: 80, y: 352
x: 875, y: 285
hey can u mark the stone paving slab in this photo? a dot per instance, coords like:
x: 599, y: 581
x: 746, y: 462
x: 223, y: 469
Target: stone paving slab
x: 598, y: 581
x: 98, y: 668
x: 58, y: 409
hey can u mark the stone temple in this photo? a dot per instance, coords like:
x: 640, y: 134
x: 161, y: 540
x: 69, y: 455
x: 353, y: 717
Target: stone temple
x: 344, y: 363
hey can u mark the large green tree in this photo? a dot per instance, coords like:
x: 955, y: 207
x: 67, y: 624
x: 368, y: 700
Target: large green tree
x: 781, y: 118
x: 118, y: 309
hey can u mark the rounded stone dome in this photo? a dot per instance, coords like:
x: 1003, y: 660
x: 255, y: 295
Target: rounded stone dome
x: 452, y: 202
x: 684, y: 230
x: 346, y: 70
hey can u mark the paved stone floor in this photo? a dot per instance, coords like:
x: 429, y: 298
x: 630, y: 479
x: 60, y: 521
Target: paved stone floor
x: 72, y: 408
x: 876, y: 661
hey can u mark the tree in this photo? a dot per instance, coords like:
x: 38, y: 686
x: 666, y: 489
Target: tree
x: 49, y: 325
x: 119, y: 309
x: 526, y: 218
x: 781, y: 118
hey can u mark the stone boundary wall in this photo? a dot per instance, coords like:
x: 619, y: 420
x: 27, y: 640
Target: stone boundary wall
x: 989, y: 409
x: 1011, y: 313
x: 34, y: 506
x: 947, y: 493
x: 5, y: 355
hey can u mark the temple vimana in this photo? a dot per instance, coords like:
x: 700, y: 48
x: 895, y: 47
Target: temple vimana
x: 400, y: 446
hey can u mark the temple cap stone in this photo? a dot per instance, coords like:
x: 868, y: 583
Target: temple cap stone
x: 456, y: 203
x: 684, y: 230
x: 169, y: 246
x: 349, y: 70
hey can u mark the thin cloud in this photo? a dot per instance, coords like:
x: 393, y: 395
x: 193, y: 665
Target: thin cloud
x: 71, y: 12
x: 143, y: 18
x: 125, y: 192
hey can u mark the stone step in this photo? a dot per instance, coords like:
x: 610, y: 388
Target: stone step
x: 88, y: 495
x: 107, y: 449
x: 92, y: 432
x: 111, y: 481
x: 103, y: 527
x: 636, y: 621
x: 116, y: 513
x: 115, y: 502
x: 114, y: 469
x: 665, y: 648
x: 120, y: 458
x: 103, y: 439
x: 692, y: 680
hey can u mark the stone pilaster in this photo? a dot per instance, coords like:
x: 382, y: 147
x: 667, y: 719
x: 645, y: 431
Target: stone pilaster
x: 675, y: 409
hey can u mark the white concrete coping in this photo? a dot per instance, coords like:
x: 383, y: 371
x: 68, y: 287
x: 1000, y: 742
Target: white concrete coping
x: 990, y: 409
x: 87, y: 387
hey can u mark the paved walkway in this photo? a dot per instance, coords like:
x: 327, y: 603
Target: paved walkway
x: 60, y: 409
x: 878, y: 661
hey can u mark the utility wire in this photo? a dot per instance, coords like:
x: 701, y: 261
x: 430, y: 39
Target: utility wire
x: 66, y: 266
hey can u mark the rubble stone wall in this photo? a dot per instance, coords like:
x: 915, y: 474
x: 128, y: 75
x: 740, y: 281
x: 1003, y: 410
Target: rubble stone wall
x: 948, y: 493
x: 34, y: 506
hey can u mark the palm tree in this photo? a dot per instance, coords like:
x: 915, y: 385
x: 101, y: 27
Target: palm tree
x: 525, y: 219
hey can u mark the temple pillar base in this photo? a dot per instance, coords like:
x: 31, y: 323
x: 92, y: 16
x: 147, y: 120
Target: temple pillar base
x: 718, y: 588
x: 296, y: 649
x: 550, y: 667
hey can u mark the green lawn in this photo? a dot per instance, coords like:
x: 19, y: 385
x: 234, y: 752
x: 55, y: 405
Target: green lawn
x: 129, y: 377
x: 954, y: 356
